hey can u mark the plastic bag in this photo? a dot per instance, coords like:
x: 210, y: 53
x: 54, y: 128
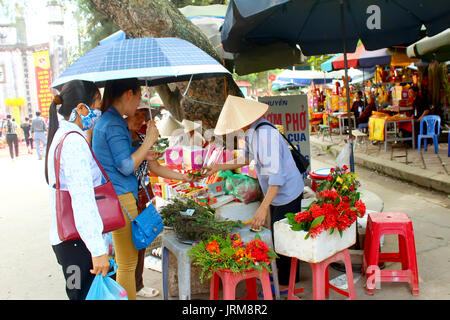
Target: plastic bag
x: 105, y: 288
x: 343, y: 157
x: 242, y: 187
x: 109, y: 243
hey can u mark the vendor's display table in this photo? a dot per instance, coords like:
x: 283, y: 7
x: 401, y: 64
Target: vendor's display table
x: 377, y: 124
x: 237, y: 211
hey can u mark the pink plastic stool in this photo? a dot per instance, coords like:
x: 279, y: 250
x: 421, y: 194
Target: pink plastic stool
x: 230, y: 281
x: 321, y: 282
x: 397, y: 223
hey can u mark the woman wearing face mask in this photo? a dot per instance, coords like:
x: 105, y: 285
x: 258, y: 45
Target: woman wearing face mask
x: 79, y: 103
x: 112, y: 145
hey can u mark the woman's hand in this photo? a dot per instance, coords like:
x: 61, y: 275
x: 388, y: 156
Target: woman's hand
x: 208, y: 171
x: 100, y: 264
x: 153, y: 155
x: 259, y: 219
x: 152, y: 133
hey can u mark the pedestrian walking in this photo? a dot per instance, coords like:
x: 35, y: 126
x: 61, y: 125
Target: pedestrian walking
x: 26, y: 128
x: 11, y: 129
x: 38, y: 129
x: 80, y: 259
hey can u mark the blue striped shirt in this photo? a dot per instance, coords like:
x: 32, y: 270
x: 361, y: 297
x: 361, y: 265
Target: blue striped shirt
x: 273, y: 162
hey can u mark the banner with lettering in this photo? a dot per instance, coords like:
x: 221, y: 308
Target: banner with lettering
x: 292, y: 113
x: 43, y: 81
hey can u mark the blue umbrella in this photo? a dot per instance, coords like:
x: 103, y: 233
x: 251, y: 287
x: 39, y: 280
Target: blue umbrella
x: 156, y: 60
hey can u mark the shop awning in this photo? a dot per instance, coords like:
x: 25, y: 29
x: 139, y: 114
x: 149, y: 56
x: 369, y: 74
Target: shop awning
x: 432, y: 48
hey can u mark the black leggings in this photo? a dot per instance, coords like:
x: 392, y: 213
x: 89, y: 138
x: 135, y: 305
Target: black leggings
x: 277, y: 213
x: 11, y: 140
x: 76, y: 261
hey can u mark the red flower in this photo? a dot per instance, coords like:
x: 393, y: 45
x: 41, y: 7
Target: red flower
x: 329, y: 178
x: 303, y: 216
x: 258, y: 250
x: 328, y: 195
x: 361, y: 207
x: 351, y: 188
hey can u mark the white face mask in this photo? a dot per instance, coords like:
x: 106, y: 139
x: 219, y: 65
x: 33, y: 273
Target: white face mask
x: 88, y: 121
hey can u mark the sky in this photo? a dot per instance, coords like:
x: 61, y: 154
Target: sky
x: 37, y: 23
x: 36, y: 19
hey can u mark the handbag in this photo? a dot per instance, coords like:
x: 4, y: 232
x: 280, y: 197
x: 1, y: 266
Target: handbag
x: 146, y: 226
x: 300, y: 160
x: 107, y: 202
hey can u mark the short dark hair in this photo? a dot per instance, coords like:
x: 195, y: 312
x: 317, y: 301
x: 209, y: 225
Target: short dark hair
x: 8, y: 116
x: 26, y: 119
x: 38, y: 113
x: 114, y: 89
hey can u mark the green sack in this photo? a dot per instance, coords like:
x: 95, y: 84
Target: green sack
x: 242, y: 187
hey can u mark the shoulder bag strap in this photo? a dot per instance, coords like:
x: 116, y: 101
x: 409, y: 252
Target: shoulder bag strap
x: 57, y: 158
x: 269, y: 124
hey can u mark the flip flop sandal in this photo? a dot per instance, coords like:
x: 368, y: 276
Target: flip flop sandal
x: 147, y: 292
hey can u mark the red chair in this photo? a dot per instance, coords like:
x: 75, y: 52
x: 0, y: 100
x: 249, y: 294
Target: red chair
x: 397, y: 223
x: 321, y: 279
x: 230, y: 281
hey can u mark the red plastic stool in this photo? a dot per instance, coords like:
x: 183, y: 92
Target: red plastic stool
x: 230, y: 281
x: 321, y: 280
x: 397, y: 223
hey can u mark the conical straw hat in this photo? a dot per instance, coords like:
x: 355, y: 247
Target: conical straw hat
x: 238, y: 113
x: 190, y: 125
x: 167, y: 126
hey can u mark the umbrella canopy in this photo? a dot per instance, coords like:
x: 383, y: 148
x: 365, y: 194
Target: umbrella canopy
x: 328, y: 65
x: 368, y: 59
x: 432, y: 48
x: 352, y: 59
x: 156, y: 60
x: 302, y: 78
x: 380, y: 57
x: 314, y: 25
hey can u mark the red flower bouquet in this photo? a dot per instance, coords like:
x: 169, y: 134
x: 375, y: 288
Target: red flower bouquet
x: 336, y: 208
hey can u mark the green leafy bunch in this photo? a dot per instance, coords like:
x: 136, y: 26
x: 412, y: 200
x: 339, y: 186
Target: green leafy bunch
x: 228, y: 251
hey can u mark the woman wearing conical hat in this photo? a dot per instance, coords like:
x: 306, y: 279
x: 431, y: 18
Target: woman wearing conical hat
x: 278, y: 176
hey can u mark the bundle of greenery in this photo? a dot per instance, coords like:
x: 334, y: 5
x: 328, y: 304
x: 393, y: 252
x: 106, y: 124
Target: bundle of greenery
x: 197, y: 225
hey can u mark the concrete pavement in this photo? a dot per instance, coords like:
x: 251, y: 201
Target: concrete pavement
x: 28, y: 268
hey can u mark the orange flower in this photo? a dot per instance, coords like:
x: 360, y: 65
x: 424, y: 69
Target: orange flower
x: 213, y: 247
x: 237, y: 243
x: 240, y: 253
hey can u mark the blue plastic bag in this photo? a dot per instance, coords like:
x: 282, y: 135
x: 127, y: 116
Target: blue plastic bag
x: 105, y: 288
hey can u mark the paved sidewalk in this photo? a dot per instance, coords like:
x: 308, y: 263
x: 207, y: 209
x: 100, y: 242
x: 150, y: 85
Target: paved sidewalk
x: 425, y: 169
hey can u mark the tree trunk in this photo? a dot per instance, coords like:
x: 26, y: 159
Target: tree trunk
x: 160, y: 18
